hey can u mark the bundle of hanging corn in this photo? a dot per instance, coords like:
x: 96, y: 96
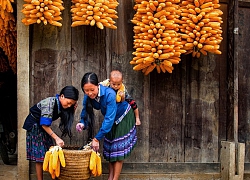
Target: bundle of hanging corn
x: 200, y: 26
x: 8, y: 34
x: 94, y: 12
x: 156, y: 41
x: 46, y: 11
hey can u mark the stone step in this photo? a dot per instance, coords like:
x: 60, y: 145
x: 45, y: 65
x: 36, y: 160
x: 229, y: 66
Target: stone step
x: 149, y: 177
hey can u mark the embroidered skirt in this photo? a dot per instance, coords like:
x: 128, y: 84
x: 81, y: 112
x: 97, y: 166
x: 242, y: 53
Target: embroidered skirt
x: 37, y: 143
x: 121, y: 140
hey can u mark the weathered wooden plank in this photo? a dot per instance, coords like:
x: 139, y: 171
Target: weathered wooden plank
x: 222, y: 69
x: 245, y: 3
x: 165, y: 123
x: 231, y: 75
x: 164, y: 177
x: 244, y: 79
x: 44, y: 78
x: 161, y: 168
x: 167, y: 168
x: 201, y: 126
x: 236, y: 72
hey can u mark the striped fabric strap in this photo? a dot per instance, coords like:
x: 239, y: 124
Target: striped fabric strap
x: 123, y: 115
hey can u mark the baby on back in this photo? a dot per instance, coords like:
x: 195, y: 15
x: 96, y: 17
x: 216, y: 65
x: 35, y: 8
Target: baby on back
x: 115, y: 81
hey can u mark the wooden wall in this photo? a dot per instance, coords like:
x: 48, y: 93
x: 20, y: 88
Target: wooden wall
x: 244, y: 79
x: 183, y: 114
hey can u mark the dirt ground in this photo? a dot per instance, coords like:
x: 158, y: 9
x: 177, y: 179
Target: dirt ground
x: 9, y: 172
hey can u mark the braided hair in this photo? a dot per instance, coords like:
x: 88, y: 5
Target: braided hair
x: 92, y: 78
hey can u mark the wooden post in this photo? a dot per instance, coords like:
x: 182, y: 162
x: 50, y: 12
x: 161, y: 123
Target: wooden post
x: 236, y: 73
x: 240, y: 161
x: 22, y: 91
x: 233, y: 153
x: 232, y: 133
x: 232, y: 160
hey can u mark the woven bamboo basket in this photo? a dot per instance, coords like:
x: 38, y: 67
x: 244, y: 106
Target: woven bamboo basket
x: 77, y: 165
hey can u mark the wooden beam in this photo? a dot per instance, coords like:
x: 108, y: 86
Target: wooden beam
x: 22, y: 91
x: 167, y: 168
x: 232, y: 122
x: 236, y: 88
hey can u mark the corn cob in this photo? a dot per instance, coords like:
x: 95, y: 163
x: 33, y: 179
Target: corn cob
x: 98, y: 165
x: 61, y: 157
x: 46, y: 161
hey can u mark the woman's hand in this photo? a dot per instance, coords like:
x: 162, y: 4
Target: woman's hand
x: 59, y: 142
x: 122, y: 95
x: 95, y: 144
x: 79, y: 127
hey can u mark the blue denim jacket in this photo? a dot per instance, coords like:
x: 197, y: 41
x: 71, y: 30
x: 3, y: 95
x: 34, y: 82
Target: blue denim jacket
x: 107, y: 105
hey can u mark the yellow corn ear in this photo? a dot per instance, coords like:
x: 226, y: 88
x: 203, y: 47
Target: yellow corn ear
x: 50, y: 163
x: 61, y: 157
x: 92, y: 162
x: 99, y: 165
x: 94, y: 172
x: 55, y: 158
x: 57, y: 171
x: 53, y: 174
x: 46, y: 161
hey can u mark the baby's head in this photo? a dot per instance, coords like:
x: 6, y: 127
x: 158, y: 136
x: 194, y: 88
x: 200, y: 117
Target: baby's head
x: 115, y: 79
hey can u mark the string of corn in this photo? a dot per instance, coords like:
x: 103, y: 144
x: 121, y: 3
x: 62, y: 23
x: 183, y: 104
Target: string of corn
x: 165, y: 29
x: 94, y: 12
x: 8, y: 33
x: 200, y: 26
x: 46, y: 11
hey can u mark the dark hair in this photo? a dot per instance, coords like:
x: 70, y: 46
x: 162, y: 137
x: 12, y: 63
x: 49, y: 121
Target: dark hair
x: 67, y: 115
x: 92, y: 78
x: 70, y: 92
x: 89, y: 77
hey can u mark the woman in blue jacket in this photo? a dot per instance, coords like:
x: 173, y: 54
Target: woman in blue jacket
x: 118, y: 127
